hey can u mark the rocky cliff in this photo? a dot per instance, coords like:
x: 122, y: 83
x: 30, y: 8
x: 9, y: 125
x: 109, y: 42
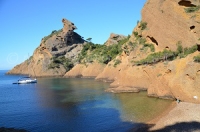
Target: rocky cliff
x: 114, y: 39
x: 160, y: 56
x: 161, y: 51
x: 56, y: 54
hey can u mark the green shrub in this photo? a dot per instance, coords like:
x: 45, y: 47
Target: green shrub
x: 192, y: 9
x: 61, y: 60
x: 68, y: 64
x: 190, y: 50
x: 143, y: 25
x: 105, y: 59
x: 151, y: 46
x: 167, y: 55
x: 54, y: 32
x: 183, y: 52
x: 197, y: 58
x: 117, y: 61
x: 101, y: 53
x: 179, y: 47
x: 53, y: 65
x: 132, y: 45
x: 157, y: 57
x: 135, y: 34
x: 141, y: 40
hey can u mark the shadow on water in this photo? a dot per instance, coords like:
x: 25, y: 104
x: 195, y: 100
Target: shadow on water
x: 178, y: 127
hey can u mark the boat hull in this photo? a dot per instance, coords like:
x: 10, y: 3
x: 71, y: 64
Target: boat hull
x: 26, y: 81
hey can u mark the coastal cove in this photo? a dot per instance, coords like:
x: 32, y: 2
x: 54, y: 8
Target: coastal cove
x: 73, y: 104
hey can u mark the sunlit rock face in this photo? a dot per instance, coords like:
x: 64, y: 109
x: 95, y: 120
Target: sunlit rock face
x: 63, y: 43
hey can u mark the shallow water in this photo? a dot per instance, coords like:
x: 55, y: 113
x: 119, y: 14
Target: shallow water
x: 66, y: 104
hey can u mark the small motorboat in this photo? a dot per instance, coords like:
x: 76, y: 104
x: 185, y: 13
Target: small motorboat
x: 26, y: 80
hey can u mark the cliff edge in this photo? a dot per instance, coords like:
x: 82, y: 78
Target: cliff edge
x: 56, y: 54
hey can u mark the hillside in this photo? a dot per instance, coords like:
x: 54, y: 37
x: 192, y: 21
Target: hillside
x: 161, y: 55
x: 56, y: 54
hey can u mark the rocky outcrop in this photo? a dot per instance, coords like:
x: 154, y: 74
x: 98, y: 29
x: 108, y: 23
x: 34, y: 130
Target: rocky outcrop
x: 90, y: 70
x: 177, y: 79
x: 169, y: 22
x: 164, y: 24
x: 47, y: 59
x: 114, y: 39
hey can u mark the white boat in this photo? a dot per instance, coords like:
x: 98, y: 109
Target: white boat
x: 26, y: 80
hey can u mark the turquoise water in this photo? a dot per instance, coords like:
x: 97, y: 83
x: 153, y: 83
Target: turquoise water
x: 66, y: 104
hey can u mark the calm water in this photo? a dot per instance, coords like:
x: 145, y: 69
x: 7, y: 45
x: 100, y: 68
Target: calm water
x: 63, y: 104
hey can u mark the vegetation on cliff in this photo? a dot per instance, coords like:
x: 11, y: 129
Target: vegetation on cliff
x: 101, y: 53
x: 168, y: 55
x: 197, y: 58
x: 143, y: 25
x: 61, y: 60
x: 54, y: 32
x: 192, y: 9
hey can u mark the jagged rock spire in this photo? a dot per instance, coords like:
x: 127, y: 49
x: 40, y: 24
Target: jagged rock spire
x: 68, y: 26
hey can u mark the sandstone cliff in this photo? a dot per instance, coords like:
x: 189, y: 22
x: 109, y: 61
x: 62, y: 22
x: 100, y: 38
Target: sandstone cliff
x: 165, y: 25
x: 171, y: 21
x: 158, y: 56
x: 56, y: 54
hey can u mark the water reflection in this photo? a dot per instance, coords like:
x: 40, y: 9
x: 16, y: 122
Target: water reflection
x: 139, y: 107
x: 79, y: 94
x: 64, y: 92
x: 64, y: 104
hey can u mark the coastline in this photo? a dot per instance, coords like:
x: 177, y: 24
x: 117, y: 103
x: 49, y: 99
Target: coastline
x: 181, y: 116
x: 176, y: 116
x: 163, y: 114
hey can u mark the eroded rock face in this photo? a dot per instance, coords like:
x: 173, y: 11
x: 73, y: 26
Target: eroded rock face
x: 90, y: 70
x: 68, y: 26
x: 178, y: 79
x: 168, y: 22
x: 164, y: 23
x: 114, y: 39
x: 62, y: 43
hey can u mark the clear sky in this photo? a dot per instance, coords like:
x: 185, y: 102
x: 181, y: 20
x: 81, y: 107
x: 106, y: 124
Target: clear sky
x: 23, y: 23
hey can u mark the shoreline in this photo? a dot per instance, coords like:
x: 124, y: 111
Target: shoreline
x: 163, y: 114
x: 181, y: 116
x: 176, y: 116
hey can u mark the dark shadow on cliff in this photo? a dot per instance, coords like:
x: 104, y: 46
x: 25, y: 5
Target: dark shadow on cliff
x: 178, y: 127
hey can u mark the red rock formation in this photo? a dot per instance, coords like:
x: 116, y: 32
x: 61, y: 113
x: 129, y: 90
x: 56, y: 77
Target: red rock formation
x: 64, y: 42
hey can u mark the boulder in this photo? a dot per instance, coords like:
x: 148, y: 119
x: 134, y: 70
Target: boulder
x: 114, y: 39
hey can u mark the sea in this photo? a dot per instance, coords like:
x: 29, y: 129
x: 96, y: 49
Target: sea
x: 72, y: 105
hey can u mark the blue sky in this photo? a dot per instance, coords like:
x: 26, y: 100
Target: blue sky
x: 23, y: 23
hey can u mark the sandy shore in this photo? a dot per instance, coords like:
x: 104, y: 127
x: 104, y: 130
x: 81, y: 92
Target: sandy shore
x: 181, y: 117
